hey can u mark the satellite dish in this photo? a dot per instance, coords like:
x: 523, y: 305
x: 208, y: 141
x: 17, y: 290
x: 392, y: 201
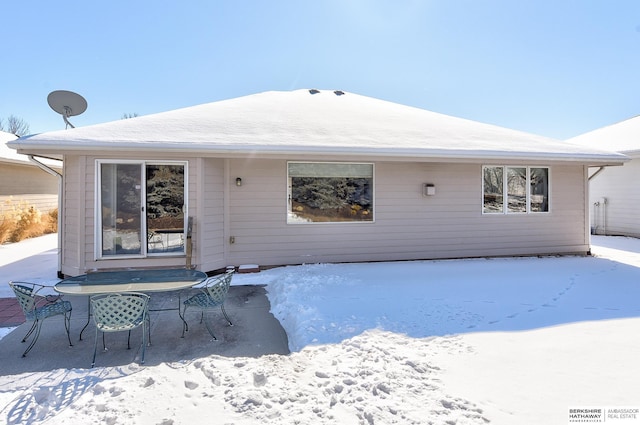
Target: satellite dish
x: 67, y: 104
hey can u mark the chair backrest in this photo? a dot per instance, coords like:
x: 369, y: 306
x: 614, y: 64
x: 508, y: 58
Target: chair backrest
x: 218, y: 286
x: 120, y: 311
x: 26, y: 294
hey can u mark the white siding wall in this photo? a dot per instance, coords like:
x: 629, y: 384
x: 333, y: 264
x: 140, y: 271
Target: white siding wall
x: 78, y: 249
x: 620, y: 214
x: 73, y: 216
x: 43, y: 202
x: 210, y: 197
x: 27, y: 183
x: 407, y: 225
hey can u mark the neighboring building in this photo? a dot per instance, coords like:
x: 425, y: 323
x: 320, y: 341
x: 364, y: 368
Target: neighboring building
x: 22, y: 181
x: 614, y: 193
x: 312, y: 176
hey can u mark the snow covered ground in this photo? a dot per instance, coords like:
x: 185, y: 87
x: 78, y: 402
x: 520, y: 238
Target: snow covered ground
x: 501, y: 341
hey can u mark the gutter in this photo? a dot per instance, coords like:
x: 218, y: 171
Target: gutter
x: 197, y: 146
x: 53, y: 172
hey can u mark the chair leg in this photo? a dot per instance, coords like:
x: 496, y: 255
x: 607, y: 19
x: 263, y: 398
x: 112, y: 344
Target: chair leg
x: 67, y: 327
x: 37, y: 324
x: 225, y: 315
x: 144, y: 343
x: 185, y: 326
x: 206, y: 322
x: 148, y: 330
x: 129, y: 341
x: 95, y: 348
x: 33, y: 326
x: 88, y: 317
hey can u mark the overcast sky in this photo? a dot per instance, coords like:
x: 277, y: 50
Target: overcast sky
x: 558, y: 68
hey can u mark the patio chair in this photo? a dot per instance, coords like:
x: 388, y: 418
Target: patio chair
x: 211, y: 295
x: 37, y: 307
x: 119, y: 312
x: 154, y: 239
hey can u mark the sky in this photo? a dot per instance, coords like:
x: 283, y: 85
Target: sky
x: 409, y: 342
x: 557, y: 68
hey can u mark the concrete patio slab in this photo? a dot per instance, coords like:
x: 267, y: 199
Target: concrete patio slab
x: 255, y: 332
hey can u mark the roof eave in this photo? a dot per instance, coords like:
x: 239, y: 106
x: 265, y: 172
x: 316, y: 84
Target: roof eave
x: 44, y: 149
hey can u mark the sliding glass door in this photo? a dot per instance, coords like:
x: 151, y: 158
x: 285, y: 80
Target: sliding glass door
x: 141, y: 208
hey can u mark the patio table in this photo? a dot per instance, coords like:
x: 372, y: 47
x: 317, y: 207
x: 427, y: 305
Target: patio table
x: 139, y: 280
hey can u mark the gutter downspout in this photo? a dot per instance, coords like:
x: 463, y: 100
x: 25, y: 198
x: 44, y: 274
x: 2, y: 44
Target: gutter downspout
x: 596, y: 205
x: 596, y: 173
x: 603, y: 204
x: 53, y: 172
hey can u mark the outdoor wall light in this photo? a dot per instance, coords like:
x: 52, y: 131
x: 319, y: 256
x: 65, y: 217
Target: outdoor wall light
x: 238, y: 181
x: 428, y: 189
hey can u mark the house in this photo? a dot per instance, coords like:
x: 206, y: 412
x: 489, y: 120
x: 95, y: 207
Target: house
x: 23, y: 181
x: 614, y: 192
x: 310, y: 176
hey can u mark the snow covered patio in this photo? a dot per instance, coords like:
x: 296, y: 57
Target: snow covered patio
x: 255, y: 332
x: 500, y: 341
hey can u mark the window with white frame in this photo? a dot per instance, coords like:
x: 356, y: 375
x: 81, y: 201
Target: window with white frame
x: 515, y: 190
x: 329, y: 192
x: 140, y: 208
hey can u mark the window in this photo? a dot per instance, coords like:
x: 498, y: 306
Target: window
x: 526, y: 189
x: 136, y: 219
x: 330, y: 192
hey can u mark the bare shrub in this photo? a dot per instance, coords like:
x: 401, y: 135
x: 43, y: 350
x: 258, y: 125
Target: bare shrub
x: 29, y: 224
x: 19, y: 221
x: 52, y: 217
x: 7, y: 220
x: 6, y: 226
